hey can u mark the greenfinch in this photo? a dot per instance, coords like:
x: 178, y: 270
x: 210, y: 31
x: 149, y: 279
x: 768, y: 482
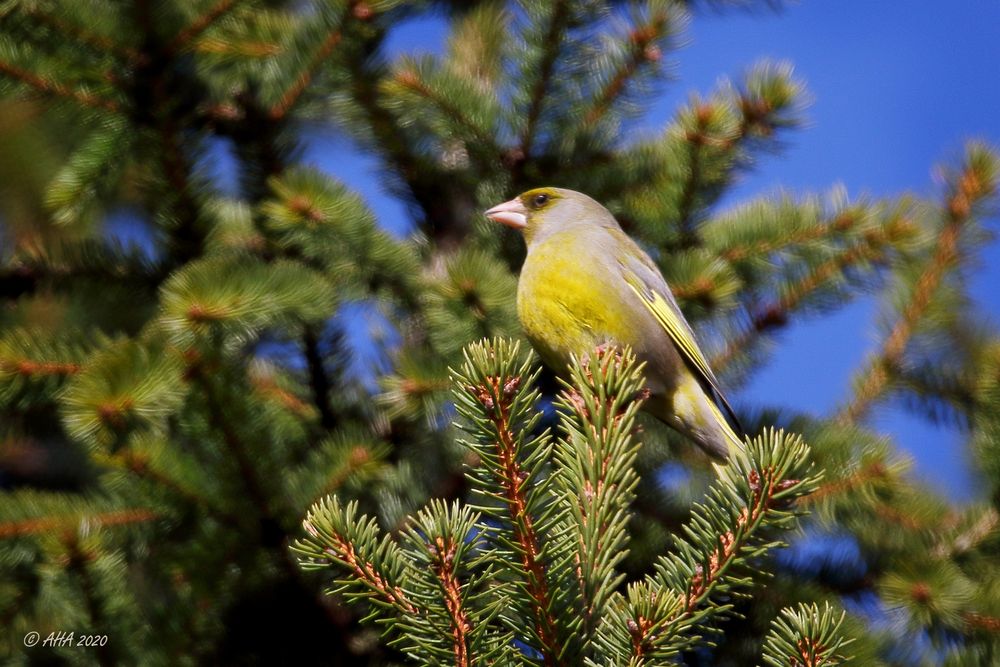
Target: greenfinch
x: 585, y: 284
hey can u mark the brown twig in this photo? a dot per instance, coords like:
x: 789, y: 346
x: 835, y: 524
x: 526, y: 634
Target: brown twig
x: 199, y: 25
x: 775, y: 315
x: 838, y: 225
x: 727, y: 549
x: 358, y: 457
x: 29, y: 367
x: 974, y: 620
x: 411, y: 80
x: 343, y: 551
x: 68, y: 523
x: 139, y: 465
x: 873, y: 471
x: 443, y: 564
x: 57, y: 89
x: 270, y: 389
x: 512, y: 483
x: 641, y: 631
x: 642, y: 49
x: 877, y: 373
x: 293, y: 92
x: 983, y: 528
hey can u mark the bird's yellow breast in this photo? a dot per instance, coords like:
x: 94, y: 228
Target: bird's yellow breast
x: 568, y: 302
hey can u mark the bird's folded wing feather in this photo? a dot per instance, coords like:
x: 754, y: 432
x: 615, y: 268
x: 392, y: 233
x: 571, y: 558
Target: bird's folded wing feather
x: 652, y: 290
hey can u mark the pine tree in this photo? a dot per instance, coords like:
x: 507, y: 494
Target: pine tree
x: 169, y: 412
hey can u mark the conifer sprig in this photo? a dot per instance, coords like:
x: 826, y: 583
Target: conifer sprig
x: 806, y: 636
x: 627, y: 63
x: 33, y: 365
x: 703, y: 148
x: 530, y: 576
x: 375, y: 564
x: 597, y: 478
x: 970, y: 190
x: 696, y: 582
x: 495, y: 393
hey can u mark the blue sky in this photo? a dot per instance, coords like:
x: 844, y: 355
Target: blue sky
x: 896, y: 88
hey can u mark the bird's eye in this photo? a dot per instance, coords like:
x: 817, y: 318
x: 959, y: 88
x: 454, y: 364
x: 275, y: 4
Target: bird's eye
x: 540, y: 200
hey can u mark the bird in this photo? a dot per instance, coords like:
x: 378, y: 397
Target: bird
x: 586, y: 284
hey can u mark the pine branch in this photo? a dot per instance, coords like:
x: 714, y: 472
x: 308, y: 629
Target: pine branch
x: 762, y: 248
x: 976, y: 182
x: 692, y: 585
x: 233, y: 298
x: 444, y: 556
x: 126, y: 387
x: 35, y: 366
x: 431, y: 589
x: 90, y: 173
x: 233, y: 442
x: 444, y: 546
x: 982, y: 622
x: 500, y: 393
x: 554, y: 528
x: 875, y: 471
x: 156, y: 78
x: 78, y: 565
x: 291, y: 95
x: 58, y: 89
x: 698, y: 278
x: 558, y: 22
x: 806, y: 637
x: 28, y: 367
x: 200, y: 25
x: 428, y: 189
x: 801, y: 225
x: 141, y: 465
x: 707, y: 143
x: 642, y: 49
x: 775, y: 315
x: 337, y: 535
x: 767, y: 102
x: 970, y: 537
x: 354, y: 465
x: 65, y: 524
x: 61, y: 267
x: 692, y: 180
x: 98, y: 42
x: 187, y: 236
x: 413, y: 78
x: 443, y: 203
x: 270, y: 390
x: 596, y: 458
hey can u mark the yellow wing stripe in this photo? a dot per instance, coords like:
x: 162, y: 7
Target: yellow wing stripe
x: 681, y: 337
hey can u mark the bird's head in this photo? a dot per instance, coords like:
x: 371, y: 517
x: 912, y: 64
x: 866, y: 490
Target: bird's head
x: 542, y: 211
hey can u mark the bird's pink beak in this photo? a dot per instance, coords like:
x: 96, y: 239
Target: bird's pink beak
x: 511, y: 213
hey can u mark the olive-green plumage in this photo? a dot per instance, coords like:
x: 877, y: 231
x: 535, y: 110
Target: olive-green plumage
x: 585, y: 283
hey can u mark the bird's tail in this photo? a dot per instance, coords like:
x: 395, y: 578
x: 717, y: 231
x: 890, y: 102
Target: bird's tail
x: 734, y: 441
x: 693, y: 411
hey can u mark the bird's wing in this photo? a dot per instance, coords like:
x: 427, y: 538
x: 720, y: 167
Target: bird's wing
x: 646, y: 281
